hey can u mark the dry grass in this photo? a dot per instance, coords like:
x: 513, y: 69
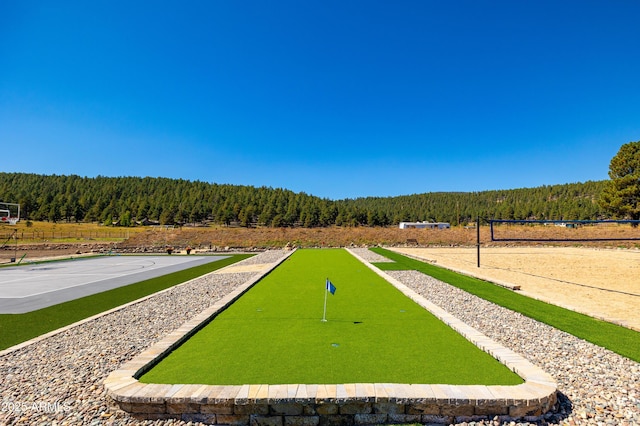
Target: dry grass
x: 45, y: 233
x: 301, y: 237
x: 340, y: 237
x: 36, y: 232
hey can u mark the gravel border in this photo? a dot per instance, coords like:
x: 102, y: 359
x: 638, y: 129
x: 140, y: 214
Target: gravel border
x: 58, y: 380
x: 598, y: 387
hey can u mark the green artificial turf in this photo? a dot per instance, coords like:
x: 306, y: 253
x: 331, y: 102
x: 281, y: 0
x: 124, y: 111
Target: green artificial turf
x: 621, y: 340
x: 274, y: 334
x: 18, y: 328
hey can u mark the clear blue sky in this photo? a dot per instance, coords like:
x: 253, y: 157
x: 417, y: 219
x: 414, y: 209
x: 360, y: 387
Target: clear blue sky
x: 339, y: 99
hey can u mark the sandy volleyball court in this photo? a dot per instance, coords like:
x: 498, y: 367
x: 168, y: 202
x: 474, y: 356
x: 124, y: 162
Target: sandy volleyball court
x: 604, y: 283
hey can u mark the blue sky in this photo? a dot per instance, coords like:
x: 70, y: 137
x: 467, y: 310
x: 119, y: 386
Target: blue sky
x: 339, y: 99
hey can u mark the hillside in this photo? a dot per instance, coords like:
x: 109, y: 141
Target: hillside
x: 127, y: 200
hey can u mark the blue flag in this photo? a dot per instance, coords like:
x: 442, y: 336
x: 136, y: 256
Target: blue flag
x: 330, y: 287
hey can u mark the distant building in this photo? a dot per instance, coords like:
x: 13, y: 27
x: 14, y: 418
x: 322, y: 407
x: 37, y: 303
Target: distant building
x: 567, y: 224
x: 9, y: 213
x: 424, y: 225
x: 147, y: 222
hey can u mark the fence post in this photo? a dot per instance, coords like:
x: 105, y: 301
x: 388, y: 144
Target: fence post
x: 478, y: 238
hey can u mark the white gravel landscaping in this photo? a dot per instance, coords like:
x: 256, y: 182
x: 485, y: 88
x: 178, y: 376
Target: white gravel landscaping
x: 58, y: 380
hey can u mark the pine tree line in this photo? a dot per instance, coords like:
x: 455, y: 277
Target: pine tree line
x: 128, y: 200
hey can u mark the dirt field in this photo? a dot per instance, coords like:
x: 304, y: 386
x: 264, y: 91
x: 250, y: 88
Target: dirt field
x: 604, y: 283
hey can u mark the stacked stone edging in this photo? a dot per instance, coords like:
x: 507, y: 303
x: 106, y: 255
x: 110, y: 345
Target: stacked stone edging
x: 353, y: 404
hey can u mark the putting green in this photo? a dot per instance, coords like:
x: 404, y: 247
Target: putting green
x: 273, y: 334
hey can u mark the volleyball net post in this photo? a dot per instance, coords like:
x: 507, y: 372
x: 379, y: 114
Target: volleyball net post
x: 478, y: 239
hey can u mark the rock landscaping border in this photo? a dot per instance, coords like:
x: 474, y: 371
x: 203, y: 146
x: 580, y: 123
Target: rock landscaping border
x: 319, y: 404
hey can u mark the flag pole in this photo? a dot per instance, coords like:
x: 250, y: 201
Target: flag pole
x: 326, y: 290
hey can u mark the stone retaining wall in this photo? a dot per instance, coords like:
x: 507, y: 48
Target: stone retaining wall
x: 350, y: 404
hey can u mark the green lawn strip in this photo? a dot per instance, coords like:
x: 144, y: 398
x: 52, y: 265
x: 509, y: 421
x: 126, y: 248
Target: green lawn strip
x: 18, y: 328
x: 27, y: 262
x: 273, y: 334
x: 621, y: 340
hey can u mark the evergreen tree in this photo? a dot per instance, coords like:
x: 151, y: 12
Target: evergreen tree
x: 621, y: 195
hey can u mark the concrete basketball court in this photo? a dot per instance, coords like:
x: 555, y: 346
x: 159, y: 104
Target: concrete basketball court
x: 28, y: 288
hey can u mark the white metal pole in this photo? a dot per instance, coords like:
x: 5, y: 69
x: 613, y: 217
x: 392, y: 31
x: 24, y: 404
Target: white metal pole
x: 324, y: 314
